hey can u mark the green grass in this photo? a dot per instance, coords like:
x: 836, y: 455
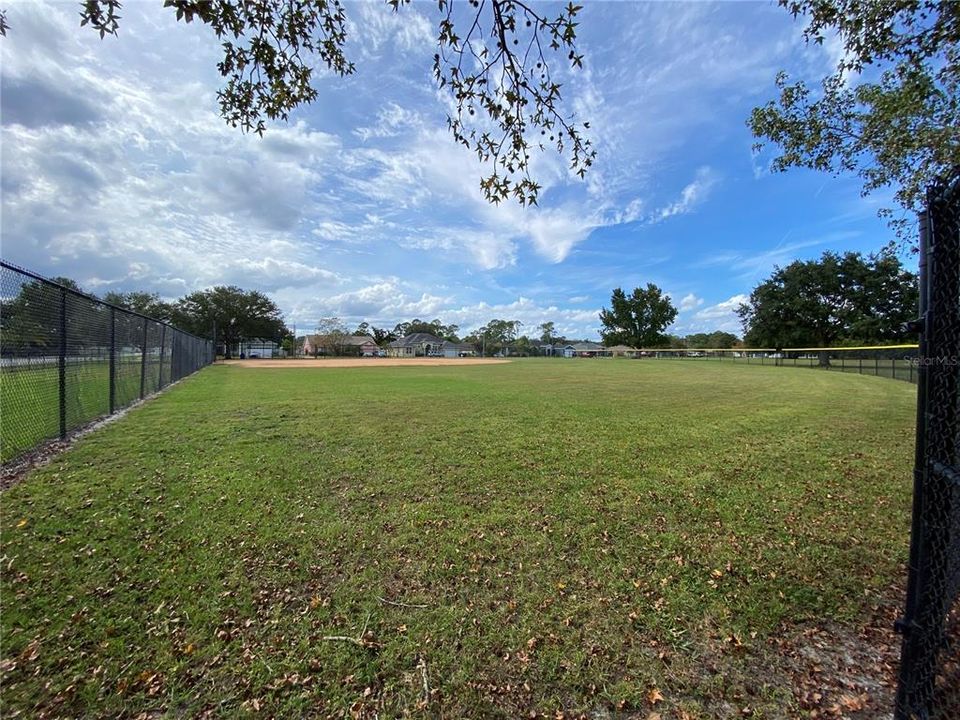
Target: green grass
x: 895, y: 369
x: 579, y: 532
x: 30, y: 399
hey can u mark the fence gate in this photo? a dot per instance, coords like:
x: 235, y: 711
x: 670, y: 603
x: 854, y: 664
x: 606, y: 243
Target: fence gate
x: 929, y: 684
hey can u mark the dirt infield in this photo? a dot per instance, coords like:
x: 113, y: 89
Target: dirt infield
x: 322, y: 363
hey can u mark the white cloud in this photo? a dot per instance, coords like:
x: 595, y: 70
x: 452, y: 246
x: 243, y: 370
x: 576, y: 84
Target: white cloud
x: 689, y: 302
x: 754, y: 266
x: 692, y: 195
x: 722, y: 316
x: 392, y: 120
x: 118, y: 170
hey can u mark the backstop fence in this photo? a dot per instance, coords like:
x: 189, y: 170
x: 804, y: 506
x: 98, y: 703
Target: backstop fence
x: 67, y: 358
x: 929, y: 682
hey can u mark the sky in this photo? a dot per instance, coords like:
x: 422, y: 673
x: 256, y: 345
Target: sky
x: 117, y: 171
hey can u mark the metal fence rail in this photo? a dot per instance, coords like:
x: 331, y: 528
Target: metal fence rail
x: 929, y: 683
x: 67, y: 359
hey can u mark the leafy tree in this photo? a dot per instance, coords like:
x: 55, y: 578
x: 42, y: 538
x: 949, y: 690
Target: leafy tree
x: 889, y: 112
x: 148, y: 304
x: 331, y: 336
x: 362, y: 329
x: 548, y: 333
x: 238, y: 315
x: 638, y: 320
x: 837, y: 299
x: 525, y: 347
x: 492, y: 337
x: 492, y: 60
x: 30, y: 321
x: 382, y: 336
x: 716, y: 339
x: 434, y: 327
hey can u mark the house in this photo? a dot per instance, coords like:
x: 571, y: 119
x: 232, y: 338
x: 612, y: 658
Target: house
x: 624, y: 351
x: 557, y: 349
x: 362, y: 345
x: 590, y: 349
x: 454, y: 350
x: 416, y: 345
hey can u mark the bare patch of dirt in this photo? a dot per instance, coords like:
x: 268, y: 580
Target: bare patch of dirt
x: 846, y: 671
x: 322, y: 363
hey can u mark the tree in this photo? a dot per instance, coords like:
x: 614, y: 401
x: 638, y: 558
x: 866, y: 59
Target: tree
x: 836, y: 299
x: 148, y: 304
x: 638, y: 320
x: 493, y: 61
x: 382, y: 336
x: 525, y: 347
x: 434, y: 327
x: 30, y: 321
x: 715, y: 340
x: 548, y: 333
x: 331, y: 336
x: 889, y: 112
x: 492, y: 337
x: 238, y: 314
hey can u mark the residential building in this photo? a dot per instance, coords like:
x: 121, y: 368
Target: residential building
x: 416, y: 345
x: 361, y: 345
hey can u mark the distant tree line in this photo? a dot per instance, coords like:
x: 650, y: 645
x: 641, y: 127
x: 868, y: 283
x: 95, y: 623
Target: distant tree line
x: 839, y: 299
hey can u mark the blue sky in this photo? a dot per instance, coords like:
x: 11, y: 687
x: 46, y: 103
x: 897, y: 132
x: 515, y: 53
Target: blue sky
x: 117, y: 171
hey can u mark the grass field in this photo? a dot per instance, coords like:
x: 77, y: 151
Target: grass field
x: 895, y: 369
x: 537, y: 538
x: 30, y: 411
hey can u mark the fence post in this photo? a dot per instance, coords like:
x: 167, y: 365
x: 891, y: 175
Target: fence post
x: 62, y: 364
x: 861, y: 365
x: 143, y: 361
x: 907, y: 624
x: 113, y: 359
x: 163, y: 338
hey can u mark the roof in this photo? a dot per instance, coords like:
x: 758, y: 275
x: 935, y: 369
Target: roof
x: 585, y: 346
x: 358, y: 340
x: 416, y: 339
x: 448, y: 345
x: 621, y: 348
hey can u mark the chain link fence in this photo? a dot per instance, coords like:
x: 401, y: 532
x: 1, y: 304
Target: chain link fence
x: 929, y: 683
x: 67, y: 359
x: 898, y: 362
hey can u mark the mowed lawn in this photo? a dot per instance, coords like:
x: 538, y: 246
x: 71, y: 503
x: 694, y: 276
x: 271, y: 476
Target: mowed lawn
x: 540, y: 537
x: 30, y: 398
